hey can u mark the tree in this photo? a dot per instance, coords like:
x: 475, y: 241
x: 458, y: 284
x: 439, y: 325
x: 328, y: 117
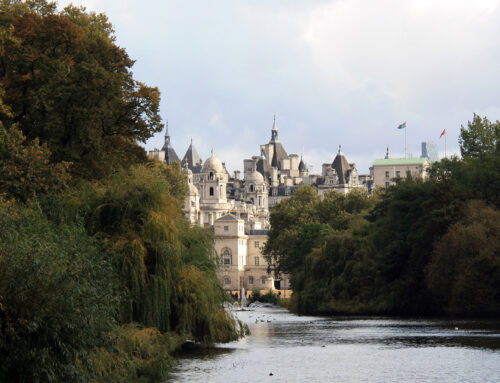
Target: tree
x: 57, y: 299
x: 25, y: 167
x: 287, y: 219
x: 465, y: 267
x: 164, y: 267
x: 481, y: 137
x: 69, y: 85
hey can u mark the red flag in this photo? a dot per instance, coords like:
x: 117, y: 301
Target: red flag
x: 442, y: 134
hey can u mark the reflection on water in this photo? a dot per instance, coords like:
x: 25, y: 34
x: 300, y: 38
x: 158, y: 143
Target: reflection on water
x: 349, y: 349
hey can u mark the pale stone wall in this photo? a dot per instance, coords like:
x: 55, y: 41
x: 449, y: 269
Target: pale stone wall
x: 383, y: 175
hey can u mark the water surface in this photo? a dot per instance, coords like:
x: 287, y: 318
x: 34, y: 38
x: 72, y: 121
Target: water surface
x: 349, y: 349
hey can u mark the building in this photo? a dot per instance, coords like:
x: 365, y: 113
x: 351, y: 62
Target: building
x: 385, y: 171
x: 340, y: 176
x: 430, y: 150
x: 237, y: 208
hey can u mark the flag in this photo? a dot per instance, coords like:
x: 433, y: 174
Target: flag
x: 402, y: 126
x: 442, y: 134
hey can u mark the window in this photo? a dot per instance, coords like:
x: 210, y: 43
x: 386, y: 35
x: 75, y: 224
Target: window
x: 251, y: 188
x: 387, y: 174
x: 398, y: 173
x: 257, y: 260
x: 250, y: 280
x: 227, y: 280
x: 211, y: 191
x: 226, y: 257
x: 211, y: 176
x: 387, y: 184
x: 263, y: 280
x: 226, y: 228
x: 256, y: 244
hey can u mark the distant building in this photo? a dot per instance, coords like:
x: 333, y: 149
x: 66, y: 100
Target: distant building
x: 167, y: 153
x: 385, y: 171
x: 430, y: 150
x: 237, y: 208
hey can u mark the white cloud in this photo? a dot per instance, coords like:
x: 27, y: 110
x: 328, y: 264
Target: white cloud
x: 335, y: 72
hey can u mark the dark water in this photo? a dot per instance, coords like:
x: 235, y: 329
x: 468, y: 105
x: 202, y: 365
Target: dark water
x: 349, y: 349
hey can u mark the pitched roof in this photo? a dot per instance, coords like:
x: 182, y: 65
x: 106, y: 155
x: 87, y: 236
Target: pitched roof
x: 399, y: 161
x: 302, y: 166
x: 341, y: 166
x: 193, y: 159
x: 227, y: 217
x: 170, y: 154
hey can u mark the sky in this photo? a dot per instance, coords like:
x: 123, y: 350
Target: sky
x: 334, y: 72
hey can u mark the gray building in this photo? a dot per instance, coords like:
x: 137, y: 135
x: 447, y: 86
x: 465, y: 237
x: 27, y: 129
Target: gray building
x: 430, y: 150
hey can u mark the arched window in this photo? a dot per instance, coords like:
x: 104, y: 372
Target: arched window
x: 226, y: 257
x: 211, y: 191
x: 251, y: 188
x: 227, y: 280
x: 250, y: 280
x: 211, y: 175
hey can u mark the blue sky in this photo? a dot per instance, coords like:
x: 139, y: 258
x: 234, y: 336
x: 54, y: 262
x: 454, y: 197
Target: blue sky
x: 339, y: 72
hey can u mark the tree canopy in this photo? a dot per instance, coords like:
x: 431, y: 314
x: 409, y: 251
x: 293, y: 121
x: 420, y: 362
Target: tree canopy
x: 70, y: 86
x: 419, y: 247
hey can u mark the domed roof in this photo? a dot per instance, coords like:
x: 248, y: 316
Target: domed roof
x: 255, y: 177
x: 213, y: 163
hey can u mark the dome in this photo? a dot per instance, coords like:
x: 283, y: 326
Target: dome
x: 213, y: 163
x: 187, y: 171
x: 255, y: 177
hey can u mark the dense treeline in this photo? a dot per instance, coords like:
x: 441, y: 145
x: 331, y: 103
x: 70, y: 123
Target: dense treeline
x: 415, y: 248
x: 101, y: 277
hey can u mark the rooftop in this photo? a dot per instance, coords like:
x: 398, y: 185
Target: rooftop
x: 400, y: 161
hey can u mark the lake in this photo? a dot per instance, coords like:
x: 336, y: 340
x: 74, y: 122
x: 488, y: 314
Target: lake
x: 349, y: 349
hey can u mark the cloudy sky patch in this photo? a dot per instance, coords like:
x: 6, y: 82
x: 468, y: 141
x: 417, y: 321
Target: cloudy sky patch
x: 334, y: 72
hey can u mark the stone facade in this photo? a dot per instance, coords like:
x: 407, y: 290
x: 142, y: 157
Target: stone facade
x: 386, y: 170
x: 238, y: 208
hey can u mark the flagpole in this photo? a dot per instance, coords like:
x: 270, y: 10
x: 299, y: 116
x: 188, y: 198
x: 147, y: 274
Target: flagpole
x: 445, y: 145
x: 405, y: 141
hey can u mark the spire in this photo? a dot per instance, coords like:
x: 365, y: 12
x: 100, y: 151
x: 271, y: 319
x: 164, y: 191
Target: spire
x: 167, y: 135
x: 274, y: 130
x: 302, y: 166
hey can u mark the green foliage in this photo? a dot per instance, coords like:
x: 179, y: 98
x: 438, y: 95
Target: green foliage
x: 465, y: 267
x: 25, y: 168
x: 481, y: 137
x: 268, y: 297
x: 287, y: 219
x: 133, y: 354
x: 414, y: 248
x: 56, y: 297
x: 164, y: 265
x: 69, y: 85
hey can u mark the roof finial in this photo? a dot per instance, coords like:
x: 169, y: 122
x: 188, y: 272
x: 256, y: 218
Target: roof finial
x: 340, y: 149
x: 191, y: 140
x: 387, y: 153
x: 212, y: 151
x: 186, y: 164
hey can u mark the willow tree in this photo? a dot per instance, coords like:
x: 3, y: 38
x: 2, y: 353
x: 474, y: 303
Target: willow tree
x: 165, y: 266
